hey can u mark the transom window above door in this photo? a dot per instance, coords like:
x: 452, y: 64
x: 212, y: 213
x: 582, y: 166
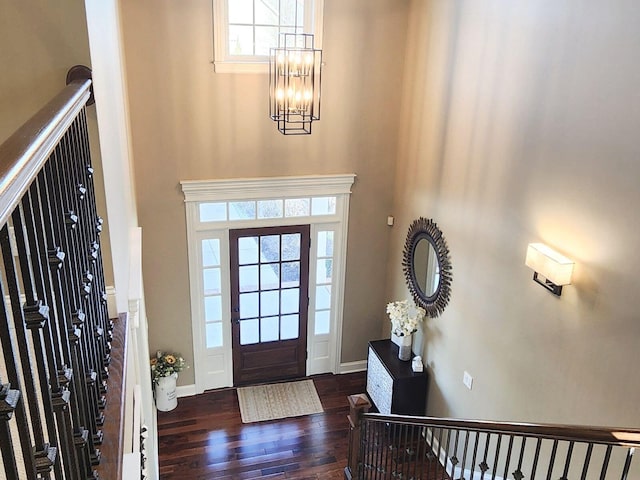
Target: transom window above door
x: 245, y: 30
x: 265, y: 209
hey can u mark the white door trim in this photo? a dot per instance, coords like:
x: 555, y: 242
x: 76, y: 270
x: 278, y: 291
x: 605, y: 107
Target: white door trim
x: 247, y: 189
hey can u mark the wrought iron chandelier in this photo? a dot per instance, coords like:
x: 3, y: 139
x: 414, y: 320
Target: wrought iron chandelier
x: 294, y: 83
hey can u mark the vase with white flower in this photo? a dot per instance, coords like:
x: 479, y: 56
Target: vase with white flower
x: 405, y: 316
x: 164, y: 373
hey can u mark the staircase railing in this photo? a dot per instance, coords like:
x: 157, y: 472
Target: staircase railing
x: 54, y: 328
x: 401, y: 447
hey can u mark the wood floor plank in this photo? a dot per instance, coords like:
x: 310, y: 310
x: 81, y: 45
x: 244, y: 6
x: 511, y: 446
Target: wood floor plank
x: 204, y: 437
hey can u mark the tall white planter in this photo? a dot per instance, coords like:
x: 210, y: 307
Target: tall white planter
x: 166, y: 398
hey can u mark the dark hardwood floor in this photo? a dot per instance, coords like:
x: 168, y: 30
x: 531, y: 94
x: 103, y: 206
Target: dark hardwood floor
x: 204, y: 437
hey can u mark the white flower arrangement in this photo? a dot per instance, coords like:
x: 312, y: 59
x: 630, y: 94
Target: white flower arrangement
x: 404, y: 316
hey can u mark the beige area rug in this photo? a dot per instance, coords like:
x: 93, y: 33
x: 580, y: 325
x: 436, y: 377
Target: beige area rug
x: 278, y: 400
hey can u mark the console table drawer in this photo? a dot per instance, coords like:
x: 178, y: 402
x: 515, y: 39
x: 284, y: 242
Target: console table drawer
x: 379, y: 383
x: 392, y: 385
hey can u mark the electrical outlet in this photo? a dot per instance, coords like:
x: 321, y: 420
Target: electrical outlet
x: 467, y: 379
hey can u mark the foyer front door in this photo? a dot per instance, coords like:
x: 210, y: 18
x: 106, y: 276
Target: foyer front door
x: 269, y: 302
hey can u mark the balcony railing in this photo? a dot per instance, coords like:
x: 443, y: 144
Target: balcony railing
x: 55, y: 332
x: 401, y: 447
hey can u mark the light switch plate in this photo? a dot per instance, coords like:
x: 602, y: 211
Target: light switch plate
x: 467, y: 379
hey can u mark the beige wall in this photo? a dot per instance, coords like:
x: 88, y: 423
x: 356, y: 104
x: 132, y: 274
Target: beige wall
x: 189, y: 123
x: 39, y: 41
x: 35, y: 55
x: 520, y: 124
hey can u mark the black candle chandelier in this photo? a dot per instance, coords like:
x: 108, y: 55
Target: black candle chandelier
x: 294, y: 83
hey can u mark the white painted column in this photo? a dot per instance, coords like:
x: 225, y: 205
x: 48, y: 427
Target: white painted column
x: 107, y: 64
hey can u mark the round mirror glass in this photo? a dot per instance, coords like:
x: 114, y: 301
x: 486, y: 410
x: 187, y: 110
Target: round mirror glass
x: 427, y: 266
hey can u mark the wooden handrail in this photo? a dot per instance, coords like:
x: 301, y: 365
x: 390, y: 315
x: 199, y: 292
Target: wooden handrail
x: 113, y: 445
x: 24, y: 153
x: 626, y: 437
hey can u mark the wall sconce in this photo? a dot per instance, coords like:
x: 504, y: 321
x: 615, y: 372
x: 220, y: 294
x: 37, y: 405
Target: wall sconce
x: 556, y: 269
x: 294, y: 83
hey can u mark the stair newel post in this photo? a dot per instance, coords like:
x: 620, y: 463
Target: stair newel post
x: 358, y: 405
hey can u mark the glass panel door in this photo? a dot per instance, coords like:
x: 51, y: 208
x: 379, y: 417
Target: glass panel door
x: 269, y: 302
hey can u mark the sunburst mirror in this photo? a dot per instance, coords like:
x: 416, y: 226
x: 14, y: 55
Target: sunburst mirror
x: 427, y: 266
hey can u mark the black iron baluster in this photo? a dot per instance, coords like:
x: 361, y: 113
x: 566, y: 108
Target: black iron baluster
x: 552, y: 459
x: 475, y: 453
x: 496, y: 458
x: 373, y: 445
x: 63, y: 222
x: 517, y: 474
x: 484, y: 466
x: 464, y: 453
x: 437, y: 452
x: 375, y: 449
x: 44, y: 456
x: 567, y: 462
x: 384, y: 452
x: 605, y: 462
x: 627, y: 464
x: 446, y: 454
x: 587, y: 461
x: 508, y: 459
x: 416, y: 435
x: 53, y: 333
x: 8, y: 401
x: 36, y: 316
x: 424, y: 447
x: 93, y: 232
x: 536, y: 457
x: 393, y: 466
x: 76, y: 167
x: 74, y: 194
x: 362, y: 460
x: 454, y: 458
x: 96, y: 229
x: 12, y: 372
x: 386, y: 435
x: 402, y: 452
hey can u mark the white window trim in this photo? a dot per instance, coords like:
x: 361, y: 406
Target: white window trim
x: 220, y: 22
x: 196, y: 191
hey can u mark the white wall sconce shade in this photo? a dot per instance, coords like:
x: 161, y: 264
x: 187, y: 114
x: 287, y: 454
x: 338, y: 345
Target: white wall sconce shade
x: 553, y: 266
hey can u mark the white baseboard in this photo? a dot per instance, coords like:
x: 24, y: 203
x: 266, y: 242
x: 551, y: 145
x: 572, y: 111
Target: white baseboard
x: 352, y: 367
x: 186, y: 390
